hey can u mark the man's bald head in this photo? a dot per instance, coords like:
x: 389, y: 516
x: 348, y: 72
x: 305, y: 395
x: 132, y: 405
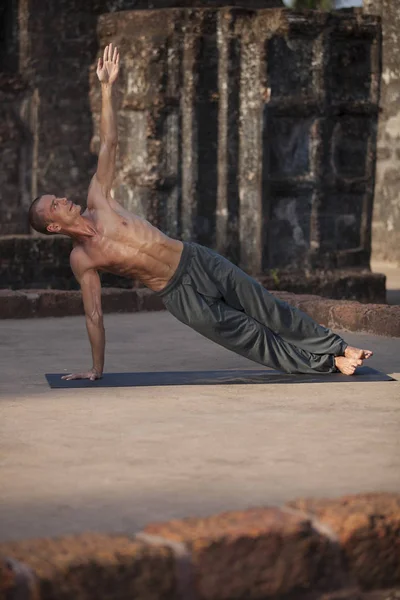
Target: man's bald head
x: 50, y: 214
x: 37, y: 216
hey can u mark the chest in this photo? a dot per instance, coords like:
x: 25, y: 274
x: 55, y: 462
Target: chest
x: 118, y: 241
x: 114, y: 224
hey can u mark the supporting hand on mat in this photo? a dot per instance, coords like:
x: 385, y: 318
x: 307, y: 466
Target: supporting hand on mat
x: 92, y: 375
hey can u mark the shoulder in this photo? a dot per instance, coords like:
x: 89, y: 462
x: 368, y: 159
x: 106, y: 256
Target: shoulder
x: 99, y: 196
x: 79, y: 261
x: 97, y: 193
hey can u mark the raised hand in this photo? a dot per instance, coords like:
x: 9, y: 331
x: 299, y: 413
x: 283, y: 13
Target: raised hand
x: 108, y: 66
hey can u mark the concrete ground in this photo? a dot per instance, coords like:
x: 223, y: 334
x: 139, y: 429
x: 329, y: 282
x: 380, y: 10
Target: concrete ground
x: 115, y: 459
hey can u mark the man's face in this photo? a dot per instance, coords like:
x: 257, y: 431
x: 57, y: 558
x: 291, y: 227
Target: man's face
x: 59, y: 212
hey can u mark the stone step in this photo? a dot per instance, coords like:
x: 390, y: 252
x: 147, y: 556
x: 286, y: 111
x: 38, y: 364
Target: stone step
x: 378, y: 319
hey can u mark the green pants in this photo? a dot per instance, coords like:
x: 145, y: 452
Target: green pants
x: 217, y: 299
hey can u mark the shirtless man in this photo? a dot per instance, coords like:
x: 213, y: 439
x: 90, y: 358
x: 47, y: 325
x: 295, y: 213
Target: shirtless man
x: 198, y: 286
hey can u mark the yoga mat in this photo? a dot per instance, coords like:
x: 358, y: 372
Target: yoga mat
x: 239, y: 376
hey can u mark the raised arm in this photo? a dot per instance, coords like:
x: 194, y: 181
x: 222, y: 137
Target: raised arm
x: 107, y: 72
x: 89, y: 281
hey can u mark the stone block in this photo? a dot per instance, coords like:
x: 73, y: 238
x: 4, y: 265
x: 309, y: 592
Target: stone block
x: 319, y: 310
x: 117, y: 301
x: 90, y: 566
x: 59, y: 303
x: 289, y: 140
x: 354, y: 593
x: 349, y: 147
x: 258, y: 553
x: 349, y: 66
x: 368, y: 528
x: 289, y: 237
x: 27, y: 304
x: 340, y: 220
x: 17, y: 305
x: 148, y: 301
x: 296, y: 80
x: 386, y: 319
x: 313, y: 549
x: 387, y: 322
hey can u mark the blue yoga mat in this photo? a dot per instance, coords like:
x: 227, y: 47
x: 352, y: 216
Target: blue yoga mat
x: 239, y: 376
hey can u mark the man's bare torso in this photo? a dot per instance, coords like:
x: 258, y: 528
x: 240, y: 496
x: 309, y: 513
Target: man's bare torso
x: 127, y: 245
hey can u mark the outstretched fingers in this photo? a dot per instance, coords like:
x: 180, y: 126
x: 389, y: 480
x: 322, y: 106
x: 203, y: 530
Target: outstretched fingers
x: 111, y: 54
x: 72, y: 376
x: 68, y: 377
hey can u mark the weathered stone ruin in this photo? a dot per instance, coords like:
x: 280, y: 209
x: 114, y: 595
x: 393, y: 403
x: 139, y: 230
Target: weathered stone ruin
x: 386, y: 215
x: 249, y: 130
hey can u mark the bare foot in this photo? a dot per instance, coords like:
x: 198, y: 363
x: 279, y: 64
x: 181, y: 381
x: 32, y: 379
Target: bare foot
x: 352, y: 352
x: 347, y: 366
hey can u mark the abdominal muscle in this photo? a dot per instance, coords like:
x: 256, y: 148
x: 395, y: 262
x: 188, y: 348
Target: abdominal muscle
x: 131, y: 247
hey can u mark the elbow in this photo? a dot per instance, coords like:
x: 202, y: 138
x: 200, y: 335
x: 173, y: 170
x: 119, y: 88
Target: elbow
x: 109, y: 141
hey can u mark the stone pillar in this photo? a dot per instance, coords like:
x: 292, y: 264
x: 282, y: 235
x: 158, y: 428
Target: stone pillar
x: 386, y: 216
x: 18, y: 126
x: 251, y: 131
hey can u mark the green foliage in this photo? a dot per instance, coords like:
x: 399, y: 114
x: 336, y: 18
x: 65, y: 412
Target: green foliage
x: 275, y: 277
x: 313, y: 4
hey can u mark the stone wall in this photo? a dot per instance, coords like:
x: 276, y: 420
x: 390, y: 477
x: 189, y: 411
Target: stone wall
x: 57, y: 46
x: 386, y: 217
x: 17, y: 137
x: 49, y: 46
x: 309, y: 549
x: 228, y: 137
x: 9, y: 36
x: 216, y: 145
